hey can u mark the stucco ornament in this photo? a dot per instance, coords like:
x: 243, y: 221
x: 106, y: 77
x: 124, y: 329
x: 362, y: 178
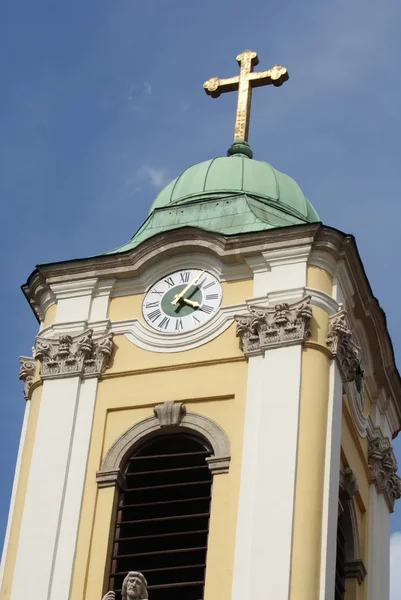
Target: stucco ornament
x: 282, y: 325
x: 342, y: 346
x: 27, y: 373
x: 383, y: 467
x: 134, y: 588
x: 69, y: 356
x: 169, y: 413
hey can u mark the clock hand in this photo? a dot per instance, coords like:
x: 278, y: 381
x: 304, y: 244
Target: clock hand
x: 194, y: 304
x: 180, y: 296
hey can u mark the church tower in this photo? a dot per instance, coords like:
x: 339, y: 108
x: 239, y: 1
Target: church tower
x: 209, y: 406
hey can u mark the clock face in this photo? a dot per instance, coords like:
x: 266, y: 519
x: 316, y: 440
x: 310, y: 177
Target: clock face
x: 182, y: 301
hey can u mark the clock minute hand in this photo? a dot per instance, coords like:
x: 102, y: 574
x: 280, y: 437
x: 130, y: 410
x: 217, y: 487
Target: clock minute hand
x: 178, y: 297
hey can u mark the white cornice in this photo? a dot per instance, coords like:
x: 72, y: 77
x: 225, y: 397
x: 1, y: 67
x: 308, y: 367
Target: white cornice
x: 75, y: 327
x: 74, y: 289
x: 318, y: 298
x: 324, y: 260
x: 287, y: 256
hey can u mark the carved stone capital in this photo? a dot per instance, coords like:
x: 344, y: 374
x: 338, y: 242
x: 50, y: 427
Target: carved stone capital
x: 27, y: 373
x: 342, y: 345
x: 71, y: 356
x: 169, y: 413
x: 383, y: 467
x: 271, y: 327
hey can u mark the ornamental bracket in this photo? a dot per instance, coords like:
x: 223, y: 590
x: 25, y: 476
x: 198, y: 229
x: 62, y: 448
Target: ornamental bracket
x: 342, y: 345
x: 383, y: 467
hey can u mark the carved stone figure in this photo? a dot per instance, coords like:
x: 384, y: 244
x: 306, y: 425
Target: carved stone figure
x: 134, y: 588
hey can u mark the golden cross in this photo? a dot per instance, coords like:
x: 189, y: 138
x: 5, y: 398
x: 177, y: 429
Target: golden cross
x: 244, y: 82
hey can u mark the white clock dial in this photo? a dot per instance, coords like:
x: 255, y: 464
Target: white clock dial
x: 182, y: 301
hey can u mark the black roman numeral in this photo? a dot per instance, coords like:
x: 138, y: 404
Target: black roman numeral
x: 195, y: 319
x: 169, y: 281
x: 154, y: 315
x: 151, y: 304
x: 209, y: 285
x: 207, y: 309
x: 164, y: 323
x: 178, y: 325
x: 212, y: 296
x: 185, y: 276
x: 157, y: 292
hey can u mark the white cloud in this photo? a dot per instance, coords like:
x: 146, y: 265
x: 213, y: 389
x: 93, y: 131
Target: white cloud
x: 395, y: 566
x: 157, y: 177
x: 147, y: 89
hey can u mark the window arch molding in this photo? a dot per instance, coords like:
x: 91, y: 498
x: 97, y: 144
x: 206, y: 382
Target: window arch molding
x: 169, y: 416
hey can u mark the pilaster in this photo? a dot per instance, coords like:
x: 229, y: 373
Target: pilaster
x: 272, y: 339
x: 69, y: 368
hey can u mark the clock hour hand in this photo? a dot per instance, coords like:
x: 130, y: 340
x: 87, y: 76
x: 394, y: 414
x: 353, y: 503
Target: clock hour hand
x: 192, y: 303
x: 181, y: 295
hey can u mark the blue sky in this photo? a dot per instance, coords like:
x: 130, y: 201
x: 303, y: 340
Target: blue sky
x: 101, y: 104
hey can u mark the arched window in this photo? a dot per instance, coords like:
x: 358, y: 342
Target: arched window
x: 163, y: 517
x: 348, y: 560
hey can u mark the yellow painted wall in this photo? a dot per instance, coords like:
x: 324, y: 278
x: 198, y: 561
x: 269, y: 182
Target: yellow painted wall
x: 319, y: 279
x: 21, y: 491
x: 210, y: 380
x: 50, y: 315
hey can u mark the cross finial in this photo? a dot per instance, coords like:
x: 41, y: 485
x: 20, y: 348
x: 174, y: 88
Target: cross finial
x: 244, y: 82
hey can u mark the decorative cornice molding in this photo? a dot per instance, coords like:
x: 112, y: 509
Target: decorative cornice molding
x: 342, y: 345
x: 27, y: 373
x: 383, y: 467
x: 71, y: 356
x: 111, y: 472
x: 74, y: 289
x: 170, y: 413
x: 282, y: 325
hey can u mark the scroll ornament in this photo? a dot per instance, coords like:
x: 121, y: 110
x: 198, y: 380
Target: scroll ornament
x: 27, y: 373
x: 73, y: 355
x: 383, y: 467
x: 342, y: 346
x: 271, y: 327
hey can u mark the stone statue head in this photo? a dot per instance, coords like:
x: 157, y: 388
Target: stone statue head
x: 134, y: 587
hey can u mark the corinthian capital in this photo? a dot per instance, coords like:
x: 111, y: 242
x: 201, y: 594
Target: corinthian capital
x: 69, y: 356
x: 271, y: 327
x: 383, y: 467
x: 342, y: 345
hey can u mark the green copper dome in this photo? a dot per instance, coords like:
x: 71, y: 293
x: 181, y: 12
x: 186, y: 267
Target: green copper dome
x: 228, y: 195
